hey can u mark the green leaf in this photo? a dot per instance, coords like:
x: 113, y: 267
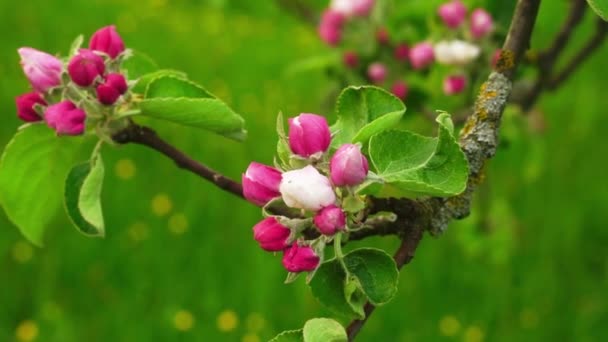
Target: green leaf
x: 363, y: 112
x: 329, y: 286
x: 142, y: 83
x: 283, y: 150
x: 82, y: 197
x: 324, y: 330
x: 32, y: 170
x: 289, y: 336
x: 411, y: 165
x: 600, y: 7
x: 184, y: 102
x: 76, y: 44
x: 136, y: 64
x: 376, y: 273
x: 175, y: 86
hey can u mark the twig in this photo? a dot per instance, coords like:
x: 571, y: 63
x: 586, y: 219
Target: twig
x: 299, y: 9
x: 592, y: 44
x: 145, y: 136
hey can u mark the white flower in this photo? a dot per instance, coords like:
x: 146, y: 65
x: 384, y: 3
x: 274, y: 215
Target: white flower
x: 455, y: 52
x: 306, y: 189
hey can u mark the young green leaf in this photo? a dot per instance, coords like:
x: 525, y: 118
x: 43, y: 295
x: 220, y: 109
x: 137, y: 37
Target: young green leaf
x: 600, y: 7
x: 363, y: 112
x: 411, y: 165
x: 376, y: 273
x: 289, y: 336
x: 82, y: 197
x: 184, y: 102
x: 138, y: 64
x: 32, y: 170
x: 142, y: 83
x: 324, y: 330
x: 331, y: 289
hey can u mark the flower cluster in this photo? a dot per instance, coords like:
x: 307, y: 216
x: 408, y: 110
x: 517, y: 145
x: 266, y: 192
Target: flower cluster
x: 319, y: 187
x: 392, y: 59
x: 69, y: 94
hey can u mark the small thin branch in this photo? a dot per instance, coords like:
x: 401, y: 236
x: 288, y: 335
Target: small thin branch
x: 147, y: 137
x: 592, y: 44
x: 299, y: 9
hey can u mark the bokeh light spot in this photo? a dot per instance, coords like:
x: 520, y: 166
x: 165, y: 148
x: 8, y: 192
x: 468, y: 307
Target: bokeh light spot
x: 449, y: 326
x: 138, y: 232
x: 22, y: 252
x: 178, y: 224
x: 125, y: 169
x: 27, y: 331
x: 183, y: 320
x: 161, y: 205
x: 227, y: 321
x: 250, y: 338
x: 255, y: 322
x: 473, y: 334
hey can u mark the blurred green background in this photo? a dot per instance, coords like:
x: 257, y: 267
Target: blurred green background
x: 179, y: 262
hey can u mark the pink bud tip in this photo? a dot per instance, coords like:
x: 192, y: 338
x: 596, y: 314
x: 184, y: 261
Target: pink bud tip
x: 382, y: 36
x: 65, y: 118
x: 363, y: 7
x: 300, y: 258
x: 421, y: 55
x: 308, y: 134
x: 454, y: 84
x: 330, y: 27
x: 41, y: 69
x: 348, y: 166
x: 25, y: 106
x: 329, y: 220
x: 402, y: 52
x: 261, y: 183
x: 113, y: 86
x: 350, y: 59
x: 452, y: 13
x: 495, y: 57
x: 376, y: 72
x: 271, y: 235
x: 481, y: 23
x: 85, y: 67
x: 108, y: 41
x: 400, y: 89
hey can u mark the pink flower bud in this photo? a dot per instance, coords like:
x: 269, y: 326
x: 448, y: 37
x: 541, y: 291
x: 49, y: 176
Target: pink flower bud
x: 350, y: 59
x: 300, y: 258
x: 306, y: 189
x: 352, y: 7
x: 109, y: 91
x: 348, y: 166
x: 41, y: 69
x: 25, y: 106
x: 402, y: 52
x: 271, y: 235
x: 65, y: 118
x: 108, y: 41
x: 308, y: 134
x: 382, y: 36
x: 261, y: 183
x: 454, y: 84
x: 329, y: 220
x: 421, y: 55
x: 330, y: 27
x: 85, y: 67
x: 376, y: 72
x: 481, y: 23
x: 452, y: 13
x: 495, y: 57
x: 400, y: 89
